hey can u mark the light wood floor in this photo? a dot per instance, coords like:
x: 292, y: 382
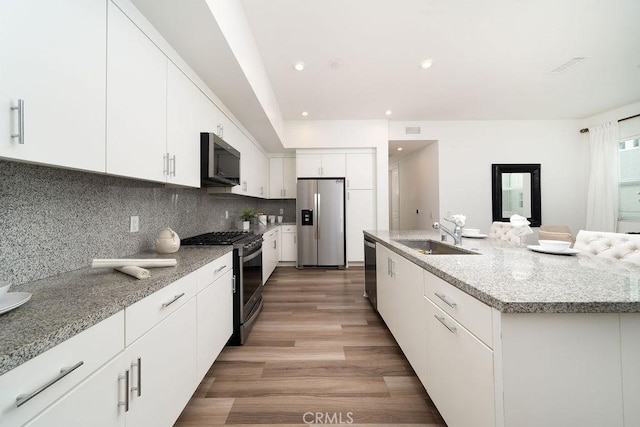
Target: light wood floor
x: 318, y: 354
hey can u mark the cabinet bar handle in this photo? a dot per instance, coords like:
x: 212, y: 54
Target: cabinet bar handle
x: 219, y: 269
x: 173, y: 160
x: 175, y: 298
x: 165, y: 164
x: 20, y: 134
x: 445, y: 300
x: 24, y: 398
x: 284, y: 191
x: 125, y: 377
x: 138, y: 365
x: 451, y: 329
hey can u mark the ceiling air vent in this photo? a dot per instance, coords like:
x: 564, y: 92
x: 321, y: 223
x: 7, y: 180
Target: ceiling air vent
x: 570, y: 63
x: 412, y: 130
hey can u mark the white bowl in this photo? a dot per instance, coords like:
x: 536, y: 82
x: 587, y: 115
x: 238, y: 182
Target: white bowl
x: 471, y: 230
x: 555, y: 245
x: 4, y: 288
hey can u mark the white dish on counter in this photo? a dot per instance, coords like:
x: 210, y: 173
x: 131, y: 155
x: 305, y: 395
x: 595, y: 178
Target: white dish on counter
x: 546, y: 250
x: 13, y: 300
x: 474, y: 235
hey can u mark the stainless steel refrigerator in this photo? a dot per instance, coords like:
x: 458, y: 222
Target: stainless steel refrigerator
x: 321, y: 222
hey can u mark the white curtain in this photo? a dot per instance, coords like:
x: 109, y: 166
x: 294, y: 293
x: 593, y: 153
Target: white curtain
x: 602, y: 196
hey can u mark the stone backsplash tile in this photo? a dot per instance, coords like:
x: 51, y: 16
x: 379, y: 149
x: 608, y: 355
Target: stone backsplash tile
x: 54, y: 220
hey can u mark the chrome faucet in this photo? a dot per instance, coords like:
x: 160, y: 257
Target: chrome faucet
x: 456, y: 234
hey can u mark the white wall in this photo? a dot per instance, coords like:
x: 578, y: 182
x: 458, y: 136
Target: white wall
x: 418, y: 178
x: 628, y: 128
x: 467, y: 149
x: 348, y: 134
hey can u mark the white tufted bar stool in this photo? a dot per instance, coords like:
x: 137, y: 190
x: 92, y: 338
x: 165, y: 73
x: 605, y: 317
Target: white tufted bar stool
x: 504, y: 231
x: 617, y: 246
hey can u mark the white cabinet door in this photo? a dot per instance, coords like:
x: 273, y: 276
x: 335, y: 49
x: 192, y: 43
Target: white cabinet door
x: 334, y: 165
x: 289, y: 249
x: 136, y: 101
x: 166, y: 378
x: 98, y: 402
x: 361, y: 215
x: 276, y: 175
x: 289, y: 180
x: 410, y: 314
x: 459, y: 376
x: 308, y: 165
x: 386, y: 294
x: 282, y: 178
x: 270, y: 253
x: 215, y: 321
x: 53, y: 56
x: 630, y: 337
x: 183, y: 128
x: 360, y: 171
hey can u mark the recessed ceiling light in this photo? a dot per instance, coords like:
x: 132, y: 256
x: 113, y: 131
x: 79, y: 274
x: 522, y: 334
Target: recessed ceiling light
x: 299, y: 66
x: 399, y: 148
x: 387, y: 113
x: 426, y: 64
x: 305, y: 113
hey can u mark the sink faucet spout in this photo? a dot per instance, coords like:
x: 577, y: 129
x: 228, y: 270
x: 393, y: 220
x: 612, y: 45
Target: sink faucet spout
x: 456, y: 233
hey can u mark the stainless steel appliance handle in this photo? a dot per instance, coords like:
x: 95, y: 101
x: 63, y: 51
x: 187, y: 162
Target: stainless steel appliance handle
x: 138, y: 365
x: 370, y: 244
x: 444, y: 299
x: 24, y: 398
x: 252, y: 256
x: 233, y: 284
x: 451, y: 329
x: 125, y: 377
x: 20, y: 134
x: 175, y: 298
x: 318, y: 216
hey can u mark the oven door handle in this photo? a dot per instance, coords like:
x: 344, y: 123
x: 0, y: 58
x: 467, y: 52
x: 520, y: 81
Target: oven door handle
x: 252, y: 256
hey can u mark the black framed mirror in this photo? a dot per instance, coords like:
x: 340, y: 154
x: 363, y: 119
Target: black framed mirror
x: 516, y: 190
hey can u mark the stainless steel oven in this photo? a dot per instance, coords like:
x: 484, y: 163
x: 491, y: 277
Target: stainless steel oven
x: 247, y: 276
x: 247, y: 267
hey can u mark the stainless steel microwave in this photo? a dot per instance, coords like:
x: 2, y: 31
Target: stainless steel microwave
x: 219, y: 162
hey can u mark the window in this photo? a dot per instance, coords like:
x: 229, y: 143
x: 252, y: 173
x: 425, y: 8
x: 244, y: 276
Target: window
x: 629, y: 182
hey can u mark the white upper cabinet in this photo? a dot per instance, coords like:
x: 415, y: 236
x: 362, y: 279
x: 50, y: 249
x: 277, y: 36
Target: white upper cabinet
x: 184, y: 125
x: 325, y: 165
x: 52, y: 57
x: 360, y: 171
x: 282, y: 178
x: 136, y: 102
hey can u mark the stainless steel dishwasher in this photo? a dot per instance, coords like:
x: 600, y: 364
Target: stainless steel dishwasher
x: 370, y: 271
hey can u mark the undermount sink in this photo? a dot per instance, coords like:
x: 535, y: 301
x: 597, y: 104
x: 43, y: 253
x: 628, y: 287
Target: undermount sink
x: 433, y: 247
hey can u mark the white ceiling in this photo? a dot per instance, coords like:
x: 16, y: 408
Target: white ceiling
x: 491, y: 59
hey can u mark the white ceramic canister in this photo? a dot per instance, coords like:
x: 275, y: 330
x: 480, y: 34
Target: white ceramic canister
x: 167, y: 241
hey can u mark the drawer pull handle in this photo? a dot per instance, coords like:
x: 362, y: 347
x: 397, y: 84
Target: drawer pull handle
x: 176, y: 298
x: 138, y: 365
x: 219, y: 269
x: 24, y: 398
x: 451, y: 329
x: 445, y: 300
x: 125, y: 377
x: 20, y: 109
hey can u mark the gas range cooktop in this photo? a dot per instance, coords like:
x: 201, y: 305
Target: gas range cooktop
x: 216, y: 238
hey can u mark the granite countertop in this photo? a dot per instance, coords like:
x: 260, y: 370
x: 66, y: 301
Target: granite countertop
x: 64, y: 305
x: 514, y: 279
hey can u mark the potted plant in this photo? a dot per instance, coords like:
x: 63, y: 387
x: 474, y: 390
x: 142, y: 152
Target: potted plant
x: 246, y: 216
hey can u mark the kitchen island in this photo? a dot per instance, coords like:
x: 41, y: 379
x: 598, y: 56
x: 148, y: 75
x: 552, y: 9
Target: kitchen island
x: 511, y: 337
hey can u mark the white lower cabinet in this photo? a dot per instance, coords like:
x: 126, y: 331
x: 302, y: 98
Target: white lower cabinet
x: 270, y: 253
x: 42, y: 380
x: 173, y: 338
x: 289, y: 246
x: 163, y: 369
x: 459, y: 371
x: 630, y: 337
x: 215, y: 321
